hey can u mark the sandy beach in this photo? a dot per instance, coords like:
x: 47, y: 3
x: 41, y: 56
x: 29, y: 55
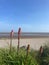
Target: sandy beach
x: 35, y: 43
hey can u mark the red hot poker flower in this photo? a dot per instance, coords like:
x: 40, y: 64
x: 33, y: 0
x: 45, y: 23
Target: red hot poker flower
x: 41, y: 49
x: 28, y: 48
x: 19, y: 31
x: 11, y: 33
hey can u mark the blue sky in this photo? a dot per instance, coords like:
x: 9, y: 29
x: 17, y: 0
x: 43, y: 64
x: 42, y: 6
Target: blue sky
x: 30, y: 15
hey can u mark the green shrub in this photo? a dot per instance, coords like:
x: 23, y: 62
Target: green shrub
x: 44, y: 58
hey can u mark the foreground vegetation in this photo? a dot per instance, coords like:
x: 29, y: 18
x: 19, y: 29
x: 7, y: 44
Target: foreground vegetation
x: 24, y: 57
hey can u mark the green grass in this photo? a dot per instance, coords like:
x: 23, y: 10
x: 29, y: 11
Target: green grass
x: 13, y: 58
x: 33, y: 57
